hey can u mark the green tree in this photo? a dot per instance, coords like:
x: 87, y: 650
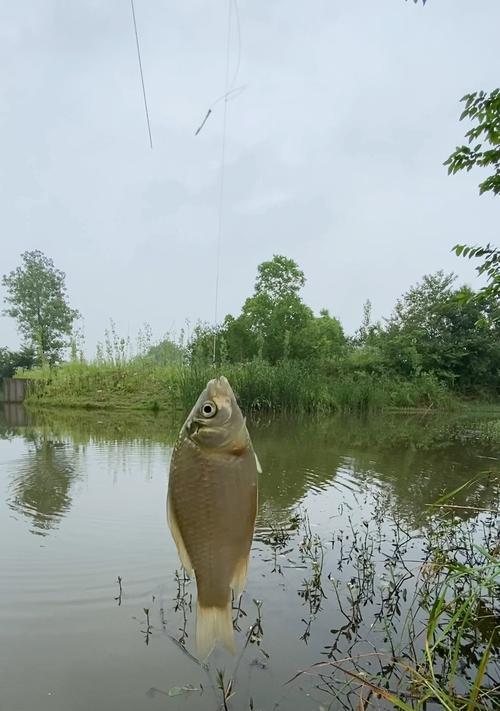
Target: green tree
x: 321, y: 340
x: 165, y: 352
x: 489, y: 266
x: 36, y: 297
x: 438, y: 329
x: 274, y: 323
x: 279, y: 278
x: 275, y: 314
x: 242, y: 344
x: 10, y: 361
x: 483, y: 150
x: 483, y: 139
x: 200, y: 346
x: 368, y: 332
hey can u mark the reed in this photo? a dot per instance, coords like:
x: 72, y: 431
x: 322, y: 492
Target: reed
x: 288, y: 386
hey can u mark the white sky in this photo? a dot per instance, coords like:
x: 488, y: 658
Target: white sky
x: 334, y: 150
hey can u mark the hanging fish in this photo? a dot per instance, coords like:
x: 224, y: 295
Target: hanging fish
x: 211, y: 508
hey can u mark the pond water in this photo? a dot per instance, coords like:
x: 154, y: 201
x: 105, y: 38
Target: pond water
x: 82, y: 504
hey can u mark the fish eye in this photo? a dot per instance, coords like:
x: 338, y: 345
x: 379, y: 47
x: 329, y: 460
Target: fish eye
x: 208, y: 409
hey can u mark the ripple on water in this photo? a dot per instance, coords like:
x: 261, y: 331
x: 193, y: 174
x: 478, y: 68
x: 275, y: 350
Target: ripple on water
x: 90, y: 584
x: 319, y: 480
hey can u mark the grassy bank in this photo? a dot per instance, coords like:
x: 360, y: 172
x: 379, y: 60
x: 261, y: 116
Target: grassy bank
x: 286, y: 387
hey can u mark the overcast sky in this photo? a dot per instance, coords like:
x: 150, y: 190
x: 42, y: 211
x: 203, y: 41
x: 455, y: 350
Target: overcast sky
x: 334, y: 150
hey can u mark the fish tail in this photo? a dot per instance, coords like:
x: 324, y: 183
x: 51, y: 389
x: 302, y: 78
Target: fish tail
x: 212, y: 624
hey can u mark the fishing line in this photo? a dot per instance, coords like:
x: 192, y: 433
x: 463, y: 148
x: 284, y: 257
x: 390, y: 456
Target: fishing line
x: 231, y: 91
x: 231, y: 94
x: 222, y: 175
x: 141, y: 73
x: 238, y: 32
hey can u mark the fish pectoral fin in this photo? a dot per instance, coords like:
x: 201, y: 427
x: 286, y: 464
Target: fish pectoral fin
x: 239, y: 576
x: 212, y: 624
x: 259, y: 468
x: 176, y: 535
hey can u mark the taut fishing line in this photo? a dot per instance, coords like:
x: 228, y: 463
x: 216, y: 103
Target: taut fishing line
x: 227, y: 92
x: 230, y: 92
x: 141, y: 73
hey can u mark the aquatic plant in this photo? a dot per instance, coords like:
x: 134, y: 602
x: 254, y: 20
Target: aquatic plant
x: 442, y: 646
x: 118, y: 598
x: 430, y: 597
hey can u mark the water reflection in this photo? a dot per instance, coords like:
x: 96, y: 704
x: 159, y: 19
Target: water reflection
x: 14, y: 415
x: 418, y: 458
x: 419, y: 478
x: 305, y: 461
x: 40, y: 488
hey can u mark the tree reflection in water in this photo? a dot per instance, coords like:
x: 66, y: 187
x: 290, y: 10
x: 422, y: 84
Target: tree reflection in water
x: 41, y: 486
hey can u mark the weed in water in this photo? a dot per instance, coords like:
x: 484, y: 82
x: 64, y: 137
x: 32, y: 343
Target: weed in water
x: 118, y: 598
x: 183, y: 602
x: 149, y: 628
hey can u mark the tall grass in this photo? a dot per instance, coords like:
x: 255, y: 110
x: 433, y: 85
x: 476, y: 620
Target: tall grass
x: 288, y: 386
x: 169, y: 375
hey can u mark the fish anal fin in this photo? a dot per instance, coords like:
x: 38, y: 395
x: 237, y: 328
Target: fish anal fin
x: 213, y: 624
x: 239, y: 576
x: 176, y: 534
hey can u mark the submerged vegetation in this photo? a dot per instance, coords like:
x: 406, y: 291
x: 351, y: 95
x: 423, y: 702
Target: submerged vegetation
x: 415, y: 613
x: 421, y: 609
x: 437, y: 615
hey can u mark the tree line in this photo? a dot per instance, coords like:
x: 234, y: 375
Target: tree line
x: 445, y: 331
x: 436, y: 328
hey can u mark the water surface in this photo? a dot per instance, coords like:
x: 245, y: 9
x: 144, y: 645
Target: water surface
x: 82, y: 502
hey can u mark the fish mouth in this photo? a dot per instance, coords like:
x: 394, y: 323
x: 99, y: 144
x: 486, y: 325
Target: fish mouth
x: 219, y: 387
x: 219, y: 391
x: 192, y: 426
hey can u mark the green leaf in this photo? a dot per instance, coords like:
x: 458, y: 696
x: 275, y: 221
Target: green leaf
x: 476, y: 687
x: 456, y: 491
